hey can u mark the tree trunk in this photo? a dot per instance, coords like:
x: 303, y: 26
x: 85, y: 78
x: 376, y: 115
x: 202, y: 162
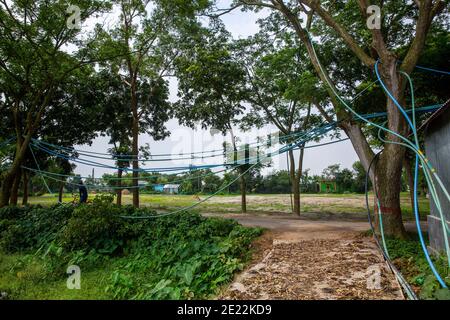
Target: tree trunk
x: 390, y: 169
x: 295, y: 177
x: 243, y: 186
x: 242, y: 169
x: 25, y: 189
x: 295, y: 187
x: 388, y: 182
x: 15, y: 189
x: 10, y: 176
x: 60, y: 192
x: 6, y: 188
x: 135, y: 147
x: 119, y: 190
x: 390, y: 165
x: 410, y: 179
x: 296, y: 192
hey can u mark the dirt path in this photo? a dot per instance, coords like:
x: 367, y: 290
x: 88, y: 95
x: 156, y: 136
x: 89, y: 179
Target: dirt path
x: 313, y: 259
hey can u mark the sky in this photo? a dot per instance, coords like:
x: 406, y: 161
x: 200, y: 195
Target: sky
x: 185, y: 140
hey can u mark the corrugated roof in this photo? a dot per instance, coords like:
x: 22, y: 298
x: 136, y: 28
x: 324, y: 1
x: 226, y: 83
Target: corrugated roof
x: 435, y: 115
x: 171, y: 186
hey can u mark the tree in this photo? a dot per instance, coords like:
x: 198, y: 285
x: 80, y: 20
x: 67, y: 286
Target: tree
x: 33, y: 65
x: 117, y: 120
x: 70, y: 119
x: 360, y: 177
x: 211, y: 86
x: 344, y: 180
x: 331, y: 172
x: 137, y: 37
x: 282, y: 92
x: 337, y: 19
x: 149, y: 37
x: 121, y: 153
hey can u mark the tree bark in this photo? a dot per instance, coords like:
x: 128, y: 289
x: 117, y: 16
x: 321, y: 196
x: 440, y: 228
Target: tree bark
x: 243, y: 186
x: 119, y: 190
x: 295, y: 177
x: 15, y: 189
x: 388, y: 176
x: 294, y: 185
x: 410, y: 179
x: 298, y: 176
x: 135, y: 145
x: 390, y: 163
x: 60, y: 192
x: 242, y: 180
x: 389, y: 167
x: 10, y: 176
x: 25, y: 188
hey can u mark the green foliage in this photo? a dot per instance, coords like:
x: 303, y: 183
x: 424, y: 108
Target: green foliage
x: 182, y: 256
x: 31, y: 227
x: 408, y: 256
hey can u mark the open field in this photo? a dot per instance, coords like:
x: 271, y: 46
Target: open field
x: 289, y: 244
x: 352, y: 205
x: 330, y: 225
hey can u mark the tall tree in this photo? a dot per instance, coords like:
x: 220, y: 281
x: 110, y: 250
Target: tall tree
x: 117, y: 120
x: 211, y: 88
x: 403, y: 23
x: 150, y: 35
x: 34, y: 63
x: 282, y: 92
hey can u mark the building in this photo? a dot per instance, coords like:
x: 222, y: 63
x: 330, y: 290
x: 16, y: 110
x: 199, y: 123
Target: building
x: 171, y: 188
x: 142, y: 183
x: 158, y: 187
x: 326, y: 186
x: 437, y: 149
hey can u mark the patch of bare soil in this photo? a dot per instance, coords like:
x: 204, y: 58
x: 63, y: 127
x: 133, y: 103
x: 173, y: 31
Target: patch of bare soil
x: 315, y: 269
x: 283, y: 199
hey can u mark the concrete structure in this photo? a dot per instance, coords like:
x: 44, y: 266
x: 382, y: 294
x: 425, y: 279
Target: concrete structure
x: 437, y: 148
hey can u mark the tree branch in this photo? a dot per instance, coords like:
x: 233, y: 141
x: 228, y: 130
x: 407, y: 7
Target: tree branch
x: 348, y: 39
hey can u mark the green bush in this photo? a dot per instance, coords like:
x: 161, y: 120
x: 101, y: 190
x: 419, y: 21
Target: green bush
x: 31, y: 227
x: 179, y: 256
x: 96, y: 226
x: 409, y: 257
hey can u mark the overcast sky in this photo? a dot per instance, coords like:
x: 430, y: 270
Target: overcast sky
x: 182, y: 139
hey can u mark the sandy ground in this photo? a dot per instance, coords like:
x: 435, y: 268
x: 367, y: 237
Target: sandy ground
x: 299, y: 258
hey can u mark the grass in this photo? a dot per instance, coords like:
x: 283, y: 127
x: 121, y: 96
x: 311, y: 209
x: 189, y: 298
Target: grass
x: 267, y: 203
x: 25, y: 279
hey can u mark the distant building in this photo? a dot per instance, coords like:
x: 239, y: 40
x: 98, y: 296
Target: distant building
x: 158, y: 187
x: 326, y: 186
x: 437, y: 148
x: 142, y: 183
x: 171, y: 188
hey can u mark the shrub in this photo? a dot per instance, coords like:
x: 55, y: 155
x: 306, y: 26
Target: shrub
x: 31, y: 227
x: 97, y: 226
x: 182, y: 255
x: 408, y: 256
